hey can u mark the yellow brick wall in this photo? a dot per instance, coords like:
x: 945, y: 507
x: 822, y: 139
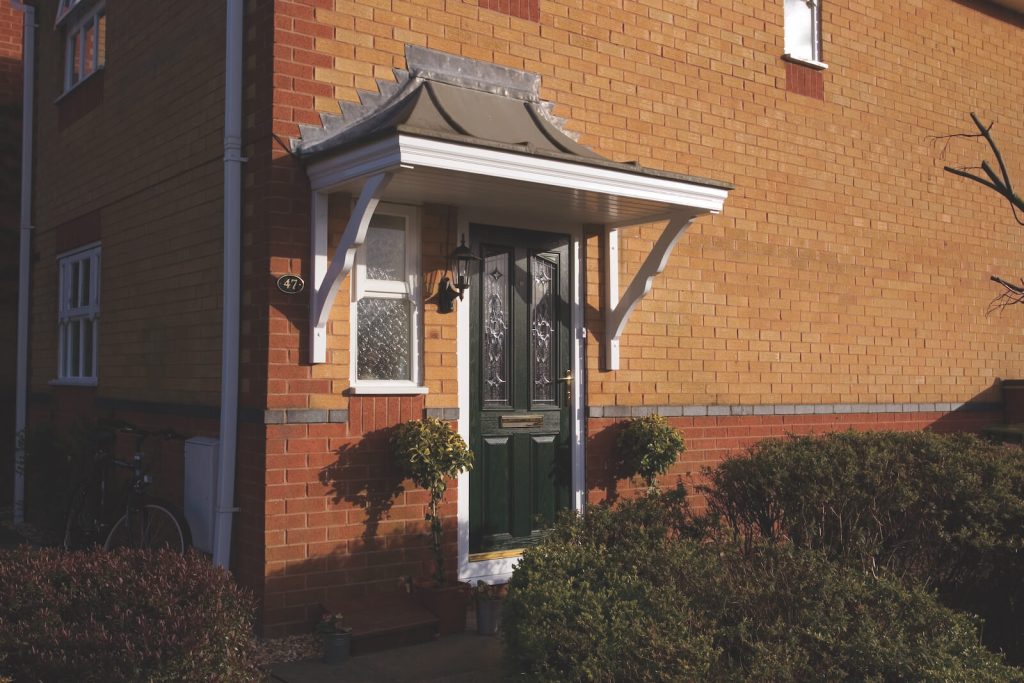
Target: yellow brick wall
x: 148, y: 159
x: 846, y: 267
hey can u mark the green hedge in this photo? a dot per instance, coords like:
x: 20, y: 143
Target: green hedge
x: 944, y: 511
x: 628, y: 595
x: 127, y: 615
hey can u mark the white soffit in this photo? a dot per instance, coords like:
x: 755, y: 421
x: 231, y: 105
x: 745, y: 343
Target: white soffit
x: 435, y: 171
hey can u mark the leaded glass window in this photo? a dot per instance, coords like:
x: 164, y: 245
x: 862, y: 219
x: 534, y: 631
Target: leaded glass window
x: 542, y: 329
x: 496, y: 288
x: 386, y: 303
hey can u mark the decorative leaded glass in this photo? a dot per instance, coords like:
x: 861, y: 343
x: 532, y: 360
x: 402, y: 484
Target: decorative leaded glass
x: 542, y: 320
x: 385, y: 248
x: 382, y: 335
x: 495, y: 329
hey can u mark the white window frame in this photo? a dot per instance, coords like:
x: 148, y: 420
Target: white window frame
x: 410, y: 289
x: 807, y: 48
x: 81, y: 29
x: 69, y: 312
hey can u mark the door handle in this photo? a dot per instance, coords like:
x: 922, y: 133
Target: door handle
x: 568, y: 386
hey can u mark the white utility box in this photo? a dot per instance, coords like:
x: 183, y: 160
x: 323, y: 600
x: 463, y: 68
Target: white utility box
x: 201, y: 455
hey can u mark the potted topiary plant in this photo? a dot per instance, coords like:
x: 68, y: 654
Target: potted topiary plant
x: 430, y: 453
x: 648, y: 446
x: 336, y: 636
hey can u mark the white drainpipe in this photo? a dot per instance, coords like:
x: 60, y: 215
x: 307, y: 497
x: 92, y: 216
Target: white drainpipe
x: 224, y: 505
x: 24, y: 257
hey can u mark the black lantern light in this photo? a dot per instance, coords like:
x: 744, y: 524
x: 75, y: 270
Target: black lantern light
x: 460, y: 260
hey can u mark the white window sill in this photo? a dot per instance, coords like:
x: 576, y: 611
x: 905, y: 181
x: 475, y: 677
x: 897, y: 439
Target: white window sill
x: 385, y: 389
x: 73, y: 382
x: 813, y: 63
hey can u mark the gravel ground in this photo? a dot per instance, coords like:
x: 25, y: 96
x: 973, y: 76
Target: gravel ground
x: 289, y: 649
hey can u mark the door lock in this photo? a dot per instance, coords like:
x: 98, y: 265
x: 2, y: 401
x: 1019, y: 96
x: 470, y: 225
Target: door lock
x: 568, y: 386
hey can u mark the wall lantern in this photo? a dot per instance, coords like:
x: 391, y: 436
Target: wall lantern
x: 460, y: 259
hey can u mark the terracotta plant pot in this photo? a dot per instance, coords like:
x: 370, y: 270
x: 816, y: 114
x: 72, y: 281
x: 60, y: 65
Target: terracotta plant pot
x: 448, y: 603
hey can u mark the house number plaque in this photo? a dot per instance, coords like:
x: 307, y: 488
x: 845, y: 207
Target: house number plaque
x: 521, y: 421
x: 290, y: 284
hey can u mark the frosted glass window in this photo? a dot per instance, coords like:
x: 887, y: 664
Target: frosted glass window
x: 383, y: 338
x: 803, y: 29
x: 385, y: 249
x: 387, y: 304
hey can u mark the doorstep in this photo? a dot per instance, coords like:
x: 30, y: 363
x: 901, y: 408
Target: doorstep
x: 459, y: 658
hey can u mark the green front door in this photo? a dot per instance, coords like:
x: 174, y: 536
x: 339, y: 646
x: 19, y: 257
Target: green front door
x: 520, y: 408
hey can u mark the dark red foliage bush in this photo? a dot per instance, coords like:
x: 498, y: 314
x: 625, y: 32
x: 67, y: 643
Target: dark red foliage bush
x: 128, y: 615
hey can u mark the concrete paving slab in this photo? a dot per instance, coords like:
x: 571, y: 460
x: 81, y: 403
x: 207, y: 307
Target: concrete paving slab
x: 462, y: 658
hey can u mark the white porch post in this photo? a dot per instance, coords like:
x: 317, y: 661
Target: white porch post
x: 327, y: 278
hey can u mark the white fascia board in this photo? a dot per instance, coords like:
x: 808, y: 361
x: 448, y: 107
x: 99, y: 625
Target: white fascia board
x: 557, y: 173
x: 412, y: 151
x: 384, y: 155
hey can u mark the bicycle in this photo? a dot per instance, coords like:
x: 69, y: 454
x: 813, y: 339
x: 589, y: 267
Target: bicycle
x: 146, y: 522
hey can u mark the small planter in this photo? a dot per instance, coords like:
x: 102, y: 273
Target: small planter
x: 488, y: 616
x: 337, y: 647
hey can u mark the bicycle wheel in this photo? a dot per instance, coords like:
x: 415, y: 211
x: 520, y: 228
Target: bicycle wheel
x: 82, y: 524
x: 154, y: 526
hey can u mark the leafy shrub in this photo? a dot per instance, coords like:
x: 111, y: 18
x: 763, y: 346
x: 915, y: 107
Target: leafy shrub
x: 648, y: 446
x: 946, y: 511
x: 128, y: 615
x: 615, y: 596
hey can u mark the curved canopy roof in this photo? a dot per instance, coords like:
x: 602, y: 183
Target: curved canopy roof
x: 468, y: 133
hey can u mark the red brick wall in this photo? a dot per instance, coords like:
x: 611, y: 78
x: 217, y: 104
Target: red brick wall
x: 709, y: 440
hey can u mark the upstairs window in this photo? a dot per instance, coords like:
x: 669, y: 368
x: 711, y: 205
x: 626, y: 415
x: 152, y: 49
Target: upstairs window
x: 803, y: 30
x: 78, y: 315
x: 386, y: 305
x: 85, y: 40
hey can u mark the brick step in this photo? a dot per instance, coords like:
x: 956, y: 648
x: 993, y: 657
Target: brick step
x: 385, y: 621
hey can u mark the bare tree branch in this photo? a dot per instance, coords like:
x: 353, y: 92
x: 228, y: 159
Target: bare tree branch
x: 1000, y: 183
x: 1011, y: 294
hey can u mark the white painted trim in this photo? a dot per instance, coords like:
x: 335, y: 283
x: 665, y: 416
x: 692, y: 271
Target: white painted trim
x: 80, y: 28
x: 406, y: 150
x: 68, y: 313
x: 410, y: 290
x: 813, y: 63
x: 499, y: 571
x: 325, y: 289
x: 620, y: 308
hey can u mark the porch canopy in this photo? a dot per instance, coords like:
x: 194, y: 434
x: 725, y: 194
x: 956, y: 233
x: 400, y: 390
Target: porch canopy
x: 466, y: 133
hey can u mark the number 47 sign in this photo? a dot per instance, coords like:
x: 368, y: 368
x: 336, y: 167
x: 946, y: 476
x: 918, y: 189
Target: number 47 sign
x: 290, y: 284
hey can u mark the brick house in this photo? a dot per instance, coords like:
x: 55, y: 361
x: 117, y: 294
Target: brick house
x: 732, y: 214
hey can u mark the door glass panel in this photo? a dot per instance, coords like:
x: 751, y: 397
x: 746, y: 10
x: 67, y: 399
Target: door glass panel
x: 496, y: 329
x: 383, y: 333
x: 542, y: 330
